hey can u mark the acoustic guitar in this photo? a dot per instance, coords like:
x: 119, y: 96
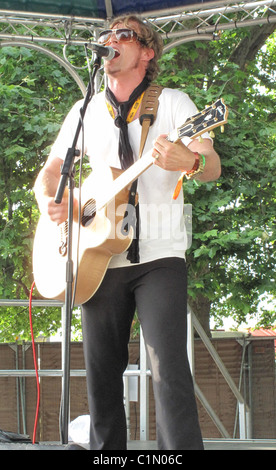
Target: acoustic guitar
x: 99, y: 234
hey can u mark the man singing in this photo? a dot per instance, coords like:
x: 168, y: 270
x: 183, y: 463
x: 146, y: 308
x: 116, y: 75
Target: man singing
x: 154, y: 280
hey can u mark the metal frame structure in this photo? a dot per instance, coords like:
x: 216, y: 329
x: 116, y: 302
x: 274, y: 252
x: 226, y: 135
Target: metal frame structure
x: 201, y: 21
x: 176, y: 25
x: 144, y: 373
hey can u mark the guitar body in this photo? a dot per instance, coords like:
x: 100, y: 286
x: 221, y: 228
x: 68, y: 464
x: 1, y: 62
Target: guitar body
x: 99, y: 239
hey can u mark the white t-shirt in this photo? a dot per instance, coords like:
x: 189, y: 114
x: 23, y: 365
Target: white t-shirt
x: 162, y: 228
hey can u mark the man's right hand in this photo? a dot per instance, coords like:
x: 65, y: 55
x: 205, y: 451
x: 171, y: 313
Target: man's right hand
x: 57, y: 212
x: 45, y: 190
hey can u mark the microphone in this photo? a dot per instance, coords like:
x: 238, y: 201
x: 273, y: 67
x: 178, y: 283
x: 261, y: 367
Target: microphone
x: 103, y: 51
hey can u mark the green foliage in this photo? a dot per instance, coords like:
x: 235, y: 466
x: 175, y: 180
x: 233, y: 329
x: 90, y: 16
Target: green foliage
x: 232, y: 258
x: 35, y: 95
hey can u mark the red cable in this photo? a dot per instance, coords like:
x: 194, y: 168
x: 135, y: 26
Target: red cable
x: 35, y: 363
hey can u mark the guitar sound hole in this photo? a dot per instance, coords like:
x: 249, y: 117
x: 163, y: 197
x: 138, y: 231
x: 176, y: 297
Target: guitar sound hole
x: 88, y: 212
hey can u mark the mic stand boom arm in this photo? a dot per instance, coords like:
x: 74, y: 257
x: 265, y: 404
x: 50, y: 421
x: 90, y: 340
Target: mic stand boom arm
x: 67, y: 175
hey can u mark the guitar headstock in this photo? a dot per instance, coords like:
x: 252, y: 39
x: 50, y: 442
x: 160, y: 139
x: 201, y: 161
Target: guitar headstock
x: 208, y: 119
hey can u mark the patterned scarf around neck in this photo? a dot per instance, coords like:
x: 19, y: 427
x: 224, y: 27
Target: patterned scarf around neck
x: 122, y: 109
x: 126, y: 158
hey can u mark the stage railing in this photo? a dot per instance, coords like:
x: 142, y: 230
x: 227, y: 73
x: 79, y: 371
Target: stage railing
x: 144, y: 374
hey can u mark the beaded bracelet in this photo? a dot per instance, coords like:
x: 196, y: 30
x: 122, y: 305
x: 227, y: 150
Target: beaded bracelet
x: 198, y: 167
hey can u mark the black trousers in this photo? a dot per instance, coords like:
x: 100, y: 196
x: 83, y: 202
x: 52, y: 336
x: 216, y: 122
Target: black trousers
x: 158, y: 290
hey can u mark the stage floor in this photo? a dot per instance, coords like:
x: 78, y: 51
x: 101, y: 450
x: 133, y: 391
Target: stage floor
x: 209, y: 444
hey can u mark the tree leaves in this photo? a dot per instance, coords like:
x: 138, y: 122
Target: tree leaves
x: 32, y: 110
x: 232, y: 258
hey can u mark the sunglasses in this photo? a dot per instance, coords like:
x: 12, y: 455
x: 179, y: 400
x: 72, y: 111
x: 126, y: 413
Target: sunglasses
x: 121, y: 35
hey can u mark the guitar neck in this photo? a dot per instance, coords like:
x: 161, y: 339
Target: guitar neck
x: 131, y: 174
x: 126, y: 178
x: 213, y: 116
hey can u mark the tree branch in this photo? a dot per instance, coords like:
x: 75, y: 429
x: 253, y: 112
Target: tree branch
x: 250, y: 45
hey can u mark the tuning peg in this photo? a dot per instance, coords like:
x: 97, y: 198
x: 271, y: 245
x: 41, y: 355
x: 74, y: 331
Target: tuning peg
x: 200, y: 139
x: 212, y: 134
x: 222, y: 129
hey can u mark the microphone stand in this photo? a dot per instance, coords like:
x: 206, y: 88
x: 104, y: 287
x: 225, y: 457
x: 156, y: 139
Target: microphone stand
x: 67, y: 175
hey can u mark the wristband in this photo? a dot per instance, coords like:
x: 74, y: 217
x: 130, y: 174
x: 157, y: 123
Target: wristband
x: 198, y: 167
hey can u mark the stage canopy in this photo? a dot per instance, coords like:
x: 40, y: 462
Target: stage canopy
x: 38, y: 23
x: 95, y: 8
x: 174, y: 19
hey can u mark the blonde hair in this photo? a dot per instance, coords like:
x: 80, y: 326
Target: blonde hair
x: 148, y: 38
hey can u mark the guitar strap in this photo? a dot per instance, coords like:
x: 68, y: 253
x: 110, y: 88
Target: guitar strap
x: 148, y: 112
